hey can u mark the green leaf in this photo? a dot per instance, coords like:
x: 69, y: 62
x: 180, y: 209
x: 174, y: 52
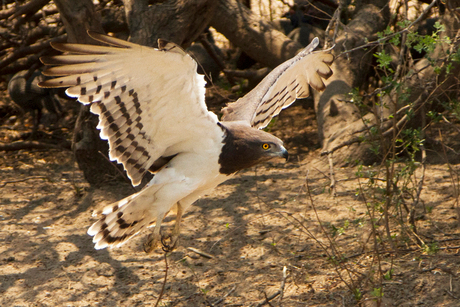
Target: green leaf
x: 377, y: 293
x: 383, y: 59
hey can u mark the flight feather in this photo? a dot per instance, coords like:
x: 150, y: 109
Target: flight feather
x: 281, y: 87
x: 150, y: 101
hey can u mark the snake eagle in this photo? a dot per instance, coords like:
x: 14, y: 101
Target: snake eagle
x: 152, y: 111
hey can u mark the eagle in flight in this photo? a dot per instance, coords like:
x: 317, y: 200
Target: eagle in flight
x: 152, y: 111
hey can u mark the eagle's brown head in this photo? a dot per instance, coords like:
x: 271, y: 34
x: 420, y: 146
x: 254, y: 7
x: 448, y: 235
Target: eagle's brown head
x: 245, y: 146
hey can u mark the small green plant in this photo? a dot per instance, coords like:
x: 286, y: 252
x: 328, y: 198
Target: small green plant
x: 434, y: 116
x: 427, y: 43
x: 359, y: 222
x: 205, y: 291
x: 389, y: 189
x: 377, y: 293
x: 430, y: 248
x: 384, y: 60
x: 357, y: 294
x: 452, y: 107
x: 337, y: 231
x: 388, y: 275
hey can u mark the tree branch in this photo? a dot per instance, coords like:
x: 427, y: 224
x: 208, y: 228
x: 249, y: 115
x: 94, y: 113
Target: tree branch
x: 256, y: 37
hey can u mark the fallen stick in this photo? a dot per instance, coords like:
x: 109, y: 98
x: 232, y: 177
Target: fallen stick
x: 31, y: 145
x: 268, y: 299
x: 203, y: 254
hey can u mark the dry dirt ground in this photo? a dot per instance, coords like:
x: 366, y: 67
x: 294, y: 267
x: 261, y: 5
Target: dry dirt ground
x: 253, y: 226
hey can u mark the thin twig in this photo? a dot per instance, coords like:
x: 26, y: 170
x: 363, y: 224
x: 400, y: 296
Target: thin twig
x: 203, y: 294
x: 22, y: 180
x: 373, y: 227
x: 452, y: 125
x: 225, y: 296
x: 201, y: 253
x: 383, y: 39
x: 30, y: 145
x: 331, y: 243
x: 413, y: 109
x: 283, y: 284
x: 448, y: 292
x: 451, y: 171
x: 352, y: 141
x: 14, y: 55
x: 422, y: 178
x: 212, y: 52
x: 164, y: 281
x: 268, y: 299
x: 403, y: 48
x: 335, y: 20
x: 331, y: 171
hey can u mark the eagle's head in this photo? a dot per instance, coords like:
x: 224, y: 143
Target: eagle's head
x: 245, y: 146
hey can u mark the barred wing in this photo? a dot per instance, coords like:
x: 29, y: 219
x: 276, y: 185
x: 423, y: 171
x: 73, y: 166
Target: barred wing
x: 280, y: 88
x: 150, y: 101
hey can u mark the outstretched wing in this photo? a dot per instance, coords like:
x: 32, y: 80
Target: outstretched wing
x: 280, y: 88
x: 150, y: 101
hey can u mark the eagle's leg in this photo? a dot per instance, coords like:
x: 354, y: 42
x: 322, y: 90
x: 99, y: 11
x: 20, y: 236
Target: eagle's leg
x: 155, y: 237
x: 174, y: 236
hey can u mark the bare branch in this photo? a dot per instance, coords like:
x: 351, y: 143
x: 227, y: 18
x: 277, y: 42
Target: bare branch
x: 4, y: 14
x: 32, y: 49
x: 30, y: 7
x: 32, y: 145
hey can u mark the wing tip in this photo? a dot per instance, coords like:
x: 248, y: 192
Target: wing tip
x: 51, y: 83
x: 59, y: 46
x: 327, y: 58
x: 315, y: 41
x: 226, y: 112
x: 327, y: 75
x: 318, y: 88
x: 100, y: 245
x: 44, y: 84
x: 96, y: 35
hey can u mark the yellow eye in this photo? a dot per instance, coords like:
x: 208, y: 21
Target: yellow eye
x: 265, y: 146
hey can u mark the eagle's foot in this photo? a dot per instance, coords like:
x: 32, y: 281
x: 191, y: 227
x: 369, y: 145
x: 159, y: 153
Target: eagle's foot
x: 152, y: 242
x: 169, y: 242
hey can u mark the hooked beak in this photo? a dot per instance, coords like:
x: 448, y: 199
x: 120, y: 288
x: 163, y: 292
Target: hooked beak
x: 280, y: 153
x: 284, y: 153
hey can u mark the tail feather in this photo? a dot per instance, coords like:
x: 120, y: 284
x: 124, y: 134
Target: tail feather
x: 121, y: 221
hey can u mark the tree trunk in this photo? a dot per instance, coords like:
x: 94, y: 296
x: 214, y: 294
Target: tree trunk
x: 178, y: 21
x: 337, y: 119
x: 421, y: 83
x: 79, y: 17
x: 256, y: 37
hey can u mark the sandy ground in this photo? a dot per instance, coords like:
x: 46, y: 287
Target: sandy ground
x: 253, y: 226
